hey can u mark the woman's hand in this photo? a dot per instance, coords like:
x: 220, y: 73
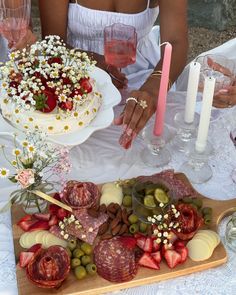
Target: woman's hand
x: 225, y: 98
x: 139, y: 108
x: 28, y: 39
x: 118, y: 78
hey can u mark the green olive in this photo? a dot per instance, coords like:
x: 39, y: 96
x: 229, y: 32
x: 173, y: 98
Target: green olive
x: 72, y: 244
x: 143, y: 227
x: 207, y: 219
x: 91, y: 268
x: 86, y: 259
x: 69, y: 252
x: 77, y: 253
x: 127, y: 201
x: 197, y: 202
x: 187, y: 200
x: 87, y: 248
x: 80, y: 272
x: 133, y: 228
x: 206, y: 210
x: 133, y: 218
x: 75, y: 262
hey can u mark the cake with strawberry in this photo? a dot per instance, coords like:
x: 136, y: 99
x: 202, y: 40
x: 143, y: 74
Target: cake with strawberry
x: 49, y: 88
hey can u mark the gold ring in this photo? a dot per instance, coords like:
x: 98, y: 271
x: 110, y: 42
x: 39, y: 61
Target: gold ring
x: 131, y: 98
x: 143, y: 104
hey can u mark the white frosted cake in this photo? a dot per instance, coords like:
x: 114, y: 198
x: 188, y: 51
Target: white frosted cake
x: 49, y: 89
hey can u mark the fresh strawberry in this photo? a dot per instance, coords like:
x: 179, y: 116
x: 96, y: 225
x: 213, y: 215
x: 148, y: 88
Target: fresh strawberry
x: 86, y: 85
x: 66, y: 81
x: 156, y: 256
x: 39, y: 225
x: 183, y: 253
x: 66, y: 105
x: 141, y: 242
x: 128, y: 242
x: 53, y: 220
x: 147, y: 261
x: 42, y: 216
x: 14, y: 84
x: 148, y: 245
x: 34, y: 248
x: 26, y: 225
x: 25, y: 218
x: 166, y: 247
x: 62, y: 213
x: 46, y: 101
x: 25, y: 258
x: 52, y: 60
x: 172, y: 258
x: 179, y: 244
x: 53, y: 209
x: 155, y: 245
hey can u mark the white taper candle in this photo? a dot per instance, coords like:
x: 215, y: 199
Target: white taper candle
x: 207, y: 99
x: 193, y: 80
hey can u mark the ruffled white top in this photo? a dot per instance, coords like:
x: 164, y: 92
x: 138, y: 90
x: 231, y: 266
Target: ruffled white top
x: 85, y: 31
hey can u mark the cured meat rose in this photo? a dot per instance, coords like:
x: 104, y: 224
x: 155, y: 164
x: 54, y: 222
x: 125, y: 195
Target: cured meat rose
x: 170, y: 180
x: 190, y: 221
x: 49, y: 267
x: 80, y: 194
x: 115, y: 262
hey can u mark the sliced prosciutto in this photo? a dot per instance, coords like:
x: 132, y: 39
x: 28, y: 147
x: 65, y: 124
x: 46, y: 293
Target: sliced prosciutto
x: 80, y: 194
x: 115, y: 262
x: 49, y: 267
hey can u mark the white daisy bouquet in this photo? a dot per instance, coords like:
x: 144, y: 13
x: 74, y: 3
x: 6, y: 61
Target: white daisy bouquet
x: 48, y: 77
x: 34, y: 161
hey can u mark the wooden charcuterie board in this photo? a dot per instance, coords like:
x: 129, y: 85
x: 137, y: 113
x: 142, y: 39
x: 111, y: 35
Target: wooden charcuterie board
x: 97, y: 285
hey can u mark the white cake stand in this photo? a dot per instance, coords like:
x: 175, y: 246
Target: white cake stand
x: 104, y: 118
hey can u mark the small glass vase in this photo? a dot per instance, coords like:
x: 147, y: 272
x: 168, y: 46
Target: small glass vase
x: 34, y: 204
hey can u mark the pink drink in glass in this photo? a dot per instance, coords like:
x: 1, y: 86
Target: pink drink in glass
x: 120, y: 43
x: 13, y: 29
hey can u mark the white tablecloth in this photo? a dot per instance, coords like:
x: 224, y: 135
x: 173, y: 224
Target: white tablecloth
x: 101, y: 159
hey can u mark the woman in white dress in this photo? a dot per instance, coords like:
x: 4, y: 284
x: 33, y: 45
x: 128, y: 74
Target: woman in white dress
x: 81, y: 24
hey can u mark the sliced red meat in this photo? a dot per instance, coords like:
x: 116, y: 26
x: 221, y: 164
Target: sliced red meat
x: 168, y: 177
x: 115, y: 262
x: 49, y: 267
x: 80, y: 194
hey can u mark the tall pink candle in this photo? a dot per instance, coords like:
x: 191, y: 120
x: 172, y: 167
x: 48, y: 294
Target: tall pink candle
x: 161, y: 104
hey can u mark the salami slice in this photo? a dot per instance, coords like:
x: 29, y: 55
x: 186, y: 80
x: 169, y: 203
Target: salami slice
x: 115, y: 262
x: 179, y: 188
x: 49, y: 267
x: 80, y: 194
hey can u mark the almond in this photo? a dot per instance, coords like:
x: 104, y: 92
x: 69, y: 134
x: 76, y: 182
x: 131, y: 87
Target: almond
x: 114, y: 222
x: 125, y: 216
x: 106, y: 236
x: 112, y: 208
x: 123, y: 229
x: 116, y: 229
x: 103, y: 228
x: 111, y: 215
x: 103, y: 208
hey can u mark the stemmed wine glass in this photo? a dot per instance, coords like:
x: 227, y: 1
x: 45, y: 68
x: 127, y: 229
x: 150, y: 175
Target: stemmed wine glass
x: 14, y: 19
x: 219, y: 67
x: 120, y: 42
x: 233, y: 138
